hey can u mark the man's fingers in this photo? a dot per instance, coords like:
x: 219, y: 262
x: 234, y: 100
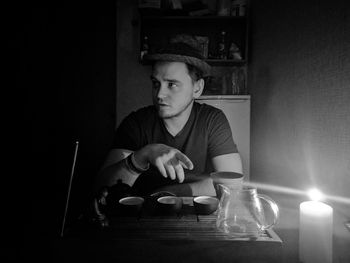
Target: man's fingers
x: 179, y: 172
x: 171, y: 162
x: 160, y: 166
x: 185, y: 161
x: 170, y: 171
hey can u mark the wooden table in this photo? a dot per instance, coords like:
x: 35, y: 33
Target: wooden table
x: 185, y: 237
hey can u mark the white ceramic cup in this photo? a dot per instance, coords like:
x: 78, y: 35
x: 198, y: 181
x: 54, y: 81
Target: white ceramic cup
x: 231, y: 180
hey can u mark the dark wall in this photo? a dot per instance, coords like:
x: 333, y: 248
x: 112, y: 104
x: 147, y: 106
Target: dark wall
x: 65, y: 60
x: 128, y: 66
x: 299, y: 79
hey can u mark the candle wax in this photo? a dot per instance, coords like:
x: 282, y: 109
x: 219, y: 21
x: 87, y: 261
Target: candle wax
x: 315, y: 232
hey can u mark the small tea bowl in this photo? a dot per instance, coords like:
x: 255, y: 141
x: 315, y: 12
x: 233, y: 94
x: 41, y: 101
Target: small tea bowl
x: 205, y: 205
x: 169, y: 204
x: 131, y: 205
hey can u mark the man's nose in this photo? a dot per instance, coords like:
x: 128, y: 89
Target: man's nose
x: 163, y: 91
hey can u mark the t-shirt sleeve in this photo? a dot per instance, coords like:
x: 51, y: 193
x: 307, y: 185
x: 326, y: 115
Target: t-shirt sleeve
x: 220, y: 135
x: 128, y: 134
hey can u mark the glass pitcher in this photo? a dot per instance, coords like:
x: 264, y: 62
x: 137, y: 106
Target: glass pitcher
x: 241, y: 214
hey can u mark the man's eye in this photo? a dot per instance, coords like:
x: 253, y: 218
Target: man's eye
x: 172, y: 85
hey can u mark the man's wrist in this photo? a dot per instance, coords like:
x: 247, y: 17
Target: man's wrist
x: 133, y: 165
x: 138, y: 166
x: 140, y: 157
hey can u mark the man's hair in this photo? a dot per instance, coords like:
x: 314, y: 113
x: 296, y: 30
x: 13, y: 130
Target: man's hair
x: 194, y: 72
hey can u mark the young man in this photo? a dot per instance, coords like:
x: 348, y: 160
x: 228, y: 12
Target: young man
x: 157, y: 145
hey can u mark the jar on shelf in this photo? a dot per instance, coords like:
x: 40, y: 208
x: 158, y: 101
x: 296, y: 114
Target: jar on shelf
x: 222, y: 52
x: 223, y: 7
x: 144, y: 47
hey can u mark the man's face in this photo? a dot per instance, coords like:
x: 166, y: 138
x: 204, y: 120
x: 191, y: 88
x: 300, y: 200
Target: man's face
x: 173, y: 89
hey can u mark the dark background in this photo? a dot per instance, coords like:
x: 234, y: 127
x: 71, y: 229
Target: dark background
x: 63, y: 60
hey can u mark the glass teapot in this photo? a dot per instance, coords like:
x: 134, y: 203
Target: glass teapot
x: 241, y: 213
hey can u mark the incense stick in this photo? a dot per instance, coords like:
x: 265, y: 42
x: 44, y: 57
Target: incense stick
x: 70, y: 185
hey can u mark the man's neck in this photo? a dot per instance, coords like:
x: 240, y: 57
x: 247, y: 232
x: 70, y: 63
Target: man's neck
x: 175, y: 124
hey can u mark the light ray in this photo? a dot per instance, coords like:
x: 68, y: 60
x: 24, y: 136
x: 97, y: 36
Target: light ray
x: 292, y: 191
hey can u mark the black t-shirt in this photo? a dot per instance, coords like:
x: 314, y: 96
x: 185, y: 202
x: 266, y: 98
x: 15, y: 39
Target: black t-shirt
x: 206, y: 134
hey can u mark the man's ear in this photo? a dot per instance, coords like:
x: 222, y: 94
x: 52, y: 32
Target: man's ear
x: 198, y: 88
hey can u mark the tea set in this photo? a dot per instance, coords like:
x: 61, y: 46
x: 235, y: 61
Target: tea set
x: 239, y: 209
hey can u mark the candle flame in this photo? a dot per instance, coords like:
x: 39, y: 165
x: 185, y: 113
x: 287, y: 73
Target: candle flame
x: 315, y: 194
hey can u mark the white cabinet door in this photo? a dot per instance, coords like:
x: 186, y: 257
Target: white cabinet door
x: 237, y: 111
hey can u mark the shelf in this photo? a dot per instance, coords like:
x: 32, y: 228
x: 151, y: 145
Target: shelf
x: 160, y: 26
x: 213, y: 62
x: 156, y: 13
x: 227, y: 62
x: 216, y: 18
x: 224, y: 97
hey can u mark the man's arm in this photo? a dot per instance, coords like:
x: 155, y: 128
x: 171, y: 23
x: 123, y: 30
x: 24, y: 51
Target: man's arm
x: 169, y: 161
x: 228, y: 162
x: 115, y: 168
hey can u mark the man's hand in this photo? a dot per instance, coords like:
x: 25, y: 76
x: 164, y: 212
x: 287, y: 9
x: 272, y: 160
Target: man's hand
x: 169, y: 161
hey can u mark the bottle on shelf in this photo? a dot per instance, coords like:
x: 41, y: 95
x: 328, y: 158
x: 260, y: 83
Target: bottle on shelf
x: 222, y: 47
x: 234, y: 52
x: 238, y: 7
x: 144, y: 47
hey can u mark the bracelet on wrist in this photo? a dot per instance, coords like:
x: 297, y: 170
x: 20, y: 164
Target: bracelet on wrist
x: 133, y: 165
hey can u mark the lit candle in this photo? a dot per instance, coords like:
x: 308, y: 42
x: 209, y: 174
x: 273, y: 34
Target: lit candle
x: 315, y: 232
